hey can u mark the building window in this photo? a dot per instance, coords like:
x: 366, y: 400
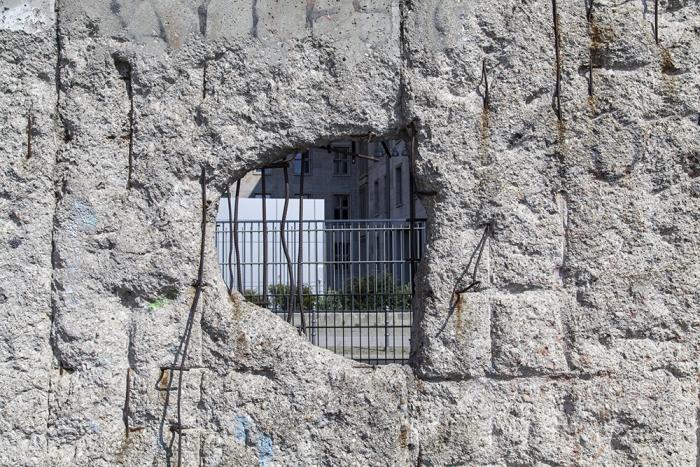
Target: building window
x: 341, y: 261
x: 341, y: 160
x: 398, y: 186
x: 376, y: 198
x: 341, y: 207
x: 387, y: 194
x: 301, y: 162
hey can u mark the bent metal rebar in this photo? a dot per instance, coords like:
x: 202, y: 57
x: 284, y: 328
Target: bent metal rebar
x: 458, y: 290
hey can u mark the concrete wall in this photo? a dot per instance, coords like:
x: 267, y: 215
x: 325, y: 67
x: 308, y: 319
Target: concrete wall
x: 579, y: 347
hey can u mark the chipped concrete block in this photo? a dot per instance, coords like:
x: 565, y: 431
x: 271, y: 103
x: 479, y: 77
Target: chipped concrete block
x: 229, y: 19
x: 528, y: 336
x: 636, y: 421
x: 280, y: 21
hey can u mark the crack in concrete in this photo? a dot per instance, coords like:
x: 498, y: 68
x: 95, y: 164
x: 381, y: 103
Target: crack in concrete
x: 254, y: 31
x: 57, y: 196
x: 126, y: 73
x: 204, y: 79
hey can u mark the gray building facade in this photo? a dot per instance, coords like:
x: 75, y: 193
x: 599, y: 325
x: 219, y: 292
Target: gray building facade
x: 352, y: 187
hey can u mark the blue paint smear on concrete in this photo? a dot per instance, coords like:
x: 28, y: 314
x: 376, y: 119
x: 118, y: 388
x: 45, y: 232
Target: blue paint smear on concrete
x: 84, y: 216
x: 241, y: 430
x: 264, y: 445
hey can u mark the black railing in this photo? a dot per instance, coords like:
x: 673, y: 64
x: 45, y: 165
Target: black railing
x: 356, y: 278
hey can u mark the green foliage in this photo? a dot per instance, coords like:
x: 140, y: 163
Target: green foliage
x: 359, y: 294
x: 158, y: 303
x: 368, y: 293
x: 252, y: 296
x: 166, y: 296
x: 279, y: 296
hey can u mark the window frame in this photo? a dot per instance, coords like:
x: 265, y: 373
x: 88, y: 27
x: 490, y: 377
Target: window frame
x: 377, y: 203
x: 341, y: 161
x: 339, y: 208
x: 398, y: 185
x: 301, y: 157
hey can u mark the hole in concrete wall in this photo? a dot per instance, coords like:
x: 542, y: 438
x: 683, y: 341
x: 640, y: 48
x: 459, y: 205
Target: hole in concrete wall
x: 329, y: 239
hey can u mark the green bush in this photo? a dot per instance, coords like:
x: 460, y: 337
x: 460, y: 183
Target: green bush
x: 359, y: 294
x: 368, y: 293
x: 252, y: 296
x: 279, y: 297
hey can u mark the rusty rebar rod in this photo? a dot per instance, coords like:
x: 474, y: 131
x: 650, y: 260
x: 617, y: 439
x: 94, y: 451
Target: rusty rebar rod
x: 591, y: 50
x: 300, y: 255
x: 352, y: 153
x: 457, y: 290
x: 127, y: 398
x: 485, y: 80
x: 230, y: 241
x: 589, y: 10
x: 30, y: 126
x: 285, y: 249
x: 264, y: 232
x: 190, y: 318
x: 239, y: 276
x: 557, y: 53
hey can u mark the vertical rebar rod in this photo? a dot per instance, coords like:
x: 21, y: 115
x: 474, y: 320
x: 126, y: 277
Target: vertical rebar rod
x: 591, y: 50
x: 285, y: 248
x: 229, y: 283
x: 300, y: 255
x: 589, y: 10
x: 412, y: 208
x: 591, y: 53
x: 656, y: 21
x: 557, y: 89
x: 190, y: 318
x: 485, y: 79
x: 239, y: 276
x: 264, y: 233
x: 30, y: 127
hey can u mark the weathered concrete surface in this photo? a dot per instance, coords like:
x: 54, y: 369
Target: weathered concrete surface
x: 580, y: 346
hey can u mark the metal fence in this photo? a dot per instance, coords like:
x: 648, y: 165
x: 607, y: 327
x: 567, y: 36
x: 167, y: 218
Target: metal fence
x: 355, y: 275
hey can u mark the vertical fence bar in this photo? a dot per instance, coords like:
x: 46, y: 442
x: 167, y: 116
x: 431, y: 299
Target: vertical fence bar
x: 412, y: 208
x: 367, y: 280
x: 264, y: 234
